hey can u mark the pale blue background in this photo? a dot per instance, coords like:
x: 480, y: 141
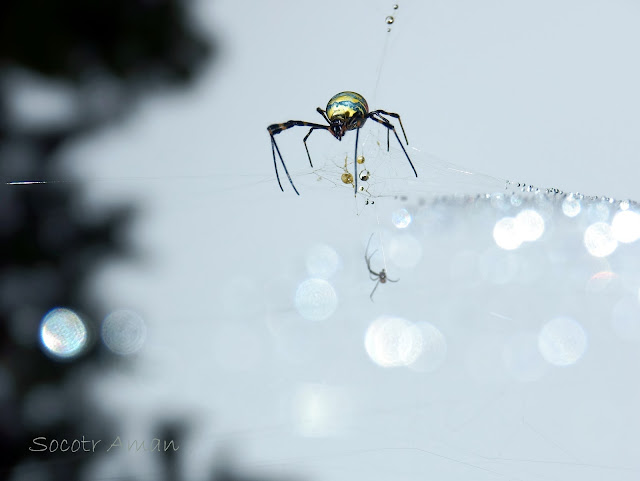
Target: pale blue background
x: 542, y: 92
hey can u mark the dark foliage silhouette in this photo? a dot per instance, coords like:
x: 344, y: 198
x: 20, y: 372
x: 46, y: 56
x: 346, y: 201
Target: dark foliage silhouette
x: 105, y: 55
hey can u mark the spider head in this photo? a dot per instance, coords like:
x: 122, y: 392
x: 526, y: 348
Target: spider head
x: 338, y: 127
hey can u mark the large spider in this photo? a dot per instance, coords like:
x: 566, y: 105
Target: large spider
x: 345, y: 111
x: 380, y: 277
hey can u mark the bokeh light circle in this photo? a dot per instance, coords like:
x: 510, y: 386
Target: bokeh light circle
x: 530, y: 225
x: 599, y: 240
x: 625, y: 226
x: 562, y: 341
x: 571, y: 206
x: 316, y: 299
x: 123, y: 332
x: 393, y: 341
x: 506, y: 234
x: 433, y: 348
x: 401, y: 218
x: 63, y: 333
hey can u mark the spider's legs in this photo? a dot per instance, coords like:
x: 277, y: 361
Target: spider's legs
x: 377, y: 117
x: 374, y: 290
x: 381, y: 117
x: 371, y: 271
x: 355, y: 163
x: 275, y: 165
x: 391, y: 280
x: 368, y: 244
x: 305, y: 142
x: 273, y: 144
x: 324, y: 114
x: 387, y: 140
x: 367, y: 259
x: 395, y: 116
x: 275, y: 129
x: 390, y: 126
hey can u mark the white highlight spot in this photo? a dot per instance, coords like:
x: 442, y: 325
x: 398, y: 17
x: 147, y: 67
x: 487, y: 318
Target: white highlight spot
x: 626, y: 226
x: 506, y: 234
x: 401, y: 218
x: 393, y: 341
x: 316, y: 299
x: 123, y: 332
x: 599, y: 240
x: 562, y: 341
x: 530, y: 225
x: 63, y: 333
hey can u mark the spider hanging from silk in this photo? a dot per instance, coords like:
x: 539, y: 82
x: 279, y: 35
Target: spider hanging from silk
x: 379, y: 277
x: 345, y: 111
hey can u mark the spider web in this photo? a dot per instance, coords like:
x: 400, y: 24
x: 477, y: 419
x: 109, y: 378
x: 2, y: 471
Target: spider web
x: 385, y: 174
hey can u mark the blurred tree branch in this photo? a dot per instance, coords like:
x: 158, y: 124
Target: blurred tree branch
x: 108, y: 54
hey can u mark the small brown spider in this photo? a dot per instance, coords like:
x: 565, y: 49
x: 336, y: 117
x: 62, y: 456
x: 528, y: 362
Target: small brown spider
x: 379, y: 277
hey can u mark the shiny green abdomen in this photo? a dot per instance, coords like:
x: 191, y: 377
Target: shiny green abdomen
x: 348, y: 106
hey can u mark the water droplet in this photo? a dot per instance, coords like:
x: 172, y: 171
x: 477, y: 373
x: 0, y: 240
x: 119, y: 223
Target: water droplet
x: 347, y: 178
x: 516, y: 201
x: 360, y: 159
x: 389, y: 20
x: 395, y: 7
x: 364, y: 175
